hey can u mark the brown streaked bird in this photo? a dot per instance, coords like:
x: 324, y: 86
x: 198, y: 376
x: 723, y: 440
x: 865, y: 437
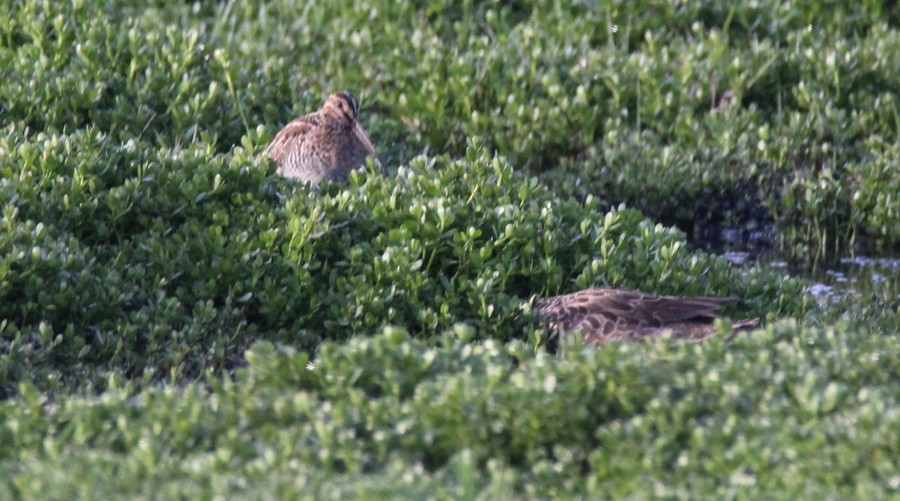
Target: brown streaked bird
x: 324, y: 145
x: 605, y: 314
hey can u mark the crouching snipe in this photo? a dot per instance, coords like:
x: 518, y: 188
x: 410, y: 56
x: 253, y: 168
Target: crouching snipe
x: 325, y: 145
x: 607, y: 314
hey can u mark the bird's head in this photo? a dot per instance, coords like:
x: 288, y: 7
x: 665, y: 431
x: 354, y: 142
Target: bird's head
x: 342, y: 105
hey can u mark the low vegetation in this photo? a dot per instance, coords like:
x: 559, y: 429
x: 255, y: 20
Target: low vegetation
x: 785, y: 410
x: 177, y: 321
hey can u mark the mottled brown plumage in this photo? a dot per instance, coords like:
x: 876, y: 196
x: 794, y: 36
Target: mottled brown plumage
x: 325, y: 145
x: 607, y: 314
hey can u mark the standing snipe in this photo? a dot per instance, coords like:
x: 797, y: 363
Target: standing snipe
x: 607, y: 314
x: 325, y: 145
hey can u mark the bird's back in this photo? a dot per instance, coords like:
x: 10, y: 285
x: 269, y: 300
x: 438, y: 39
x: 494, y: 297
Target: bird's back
x: 606, y: 314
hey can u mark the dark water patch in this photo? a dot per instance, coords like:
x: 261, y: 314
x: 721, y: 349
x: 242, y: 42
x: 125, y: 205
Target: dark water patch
x: 727, y: 219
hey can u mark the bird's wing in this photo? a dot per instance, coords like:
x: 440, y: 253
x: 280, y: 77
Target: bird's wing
x: 291, y: 137
x: 669, y: 309
x: 293, y: 149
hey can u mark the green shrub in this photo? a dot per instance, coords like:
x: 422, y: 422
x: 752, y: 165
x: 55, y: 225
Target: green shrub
x: 145, y: 245
x: 549, y: 85
x: 785, y: 410
x: 165, y: 262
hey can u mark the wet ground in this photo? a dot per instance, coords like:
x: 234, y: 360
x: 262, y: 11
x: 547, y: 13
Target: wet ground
x: 848, y: 278
x: 856, y: 278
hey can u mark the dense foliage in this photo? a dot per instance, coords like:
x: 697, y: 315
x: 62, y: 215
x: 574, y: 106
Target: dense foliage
x: 165, y: 262
x: 780, y: 413
x: 176, y: 319
x: 784, y: 112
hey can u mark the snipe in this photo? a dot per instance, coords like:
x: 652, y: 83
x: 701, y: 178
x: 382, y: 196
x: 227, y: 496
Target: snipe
x: 605, y: 314
x: 324, y: 145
